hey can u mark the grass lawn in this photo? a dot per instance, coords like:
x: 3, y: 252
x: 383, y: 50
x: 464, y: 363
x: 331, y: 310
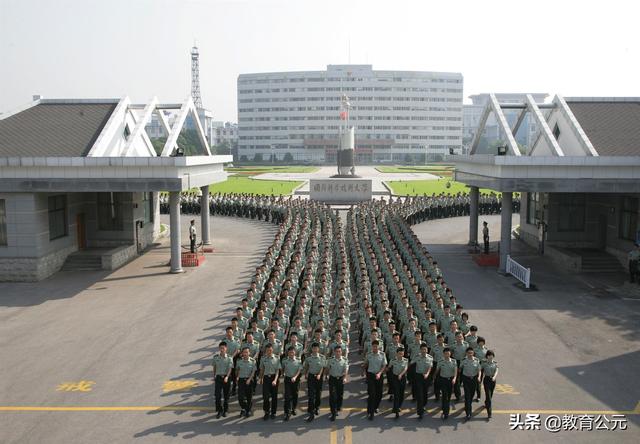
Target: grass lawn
x: 240, y: 184
x: 438, y: 170
x: 254, y: 170
x: 429, y: 187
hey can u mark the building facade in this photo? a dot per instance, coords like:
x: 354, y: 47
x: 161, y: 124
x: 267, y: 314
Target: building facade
x: 579, y: 181
x: 398, y: 115
x: 225, y: 132
x: 80, y: 181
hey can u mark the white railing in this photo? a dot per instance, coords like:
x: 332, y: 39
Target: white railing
x: 519, y: 272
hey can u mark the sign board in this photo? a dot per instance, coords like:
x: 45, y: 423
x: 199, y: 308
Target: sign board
x: 340, y: 190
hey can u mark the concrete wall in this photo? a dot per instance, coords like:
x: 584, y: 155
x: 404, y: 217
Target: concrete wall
x: 133, y: 211
x: 601, y: 228
x: 30, y: 255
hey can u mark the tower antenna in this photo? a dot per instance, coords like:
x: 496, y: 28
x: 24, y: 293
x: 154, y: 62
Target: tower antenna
x: 195, y: 77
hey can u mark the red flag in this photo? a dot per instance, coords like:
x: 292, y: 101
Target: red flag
x: 343, y: 115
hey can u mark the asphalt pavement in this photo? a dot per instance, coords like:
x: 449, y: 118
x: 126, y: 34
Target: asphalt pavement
x: 124, y: 356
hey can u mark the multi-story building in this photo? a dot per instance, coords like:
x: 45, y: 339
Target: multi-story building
x: 398, y: 115
x: 473, y: 112
x: 224, y: 132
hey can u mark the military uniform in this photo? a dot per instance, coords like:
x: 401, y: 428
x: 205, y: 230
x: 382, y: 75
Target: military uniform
x: 489, y: 369
x: 291, y: 368
x: 421, y: 385
x: 270, y: 366
x: 222, y: 366
x: 448, y: 370
x: 398, y: 366
x: 314, y: 365
x: 375, y: 363
x: 337, y: 369
x: 244, y: 370
x: 458, y: 352
x: 469, y: 369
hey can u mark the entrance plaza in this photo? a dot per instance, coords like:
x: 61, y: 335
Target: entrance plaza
x: 125, y: 356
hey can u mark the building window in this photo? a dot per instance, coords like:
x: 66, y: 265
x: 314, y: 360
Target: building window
x: 571, y: 211
x: 127, y: 132
x: 3, y: 223
x: 58, y: 217
x: 629, y: 218
x: 533, y: 201
x: 147, y: 202
x: 110, y: 211
x: 556, y: 131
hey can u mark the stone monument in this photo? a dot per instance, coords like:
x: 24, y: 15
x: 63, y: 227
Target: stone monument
x: 344, y: 187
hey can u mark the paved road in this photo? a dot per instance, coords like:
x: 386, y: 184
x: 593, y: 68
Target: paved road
x: 564, y: 348
x: 366, y: 172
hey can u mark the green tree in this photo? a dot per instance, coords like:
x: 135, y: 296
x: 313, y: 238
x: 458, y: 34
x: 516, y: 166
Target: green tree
x: 257, y: 157
x: 222, y: 149
x: 288, y: 158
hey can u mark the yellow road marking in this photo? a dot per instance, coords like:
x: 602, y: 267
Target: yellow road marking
x: 505, y: 389
x: 196, y: 408
x: 78, y: 386
x: 333, y: 437
x: 177, y: 386
x: 347, y: 435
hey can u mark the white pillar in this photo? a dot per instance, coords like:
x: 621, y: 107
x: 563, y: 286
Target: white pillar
x: 174, y: 227
x: 505, y: 229
x: 474, y: 193
x: 204, y: 215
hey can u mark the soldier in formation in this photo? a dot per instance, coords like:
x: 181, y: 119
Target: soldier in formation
x: 317, y: 275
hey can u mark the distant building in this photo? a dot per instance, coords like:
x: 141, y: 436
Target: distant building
x: 398, y: 115
x: 473, y: 112
x: 224, y: 132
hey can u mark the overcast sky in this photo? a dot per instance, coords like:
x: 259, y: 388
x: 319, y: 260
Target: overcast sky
x: 140, y: 48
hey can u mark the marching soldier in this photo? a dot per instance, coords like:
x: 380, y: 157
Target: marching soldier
x: 222, y: 368
x: 470, y: 373
x: 291, y: 367
x: 399, y: 367
x: 245, y: 374
x: 337, y: 371
x: 446, y: 374
x: 490, y: 371
x: 269, y: 372
x: 314, y: 366
x: 375, y: 365
x: 423, y: 365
